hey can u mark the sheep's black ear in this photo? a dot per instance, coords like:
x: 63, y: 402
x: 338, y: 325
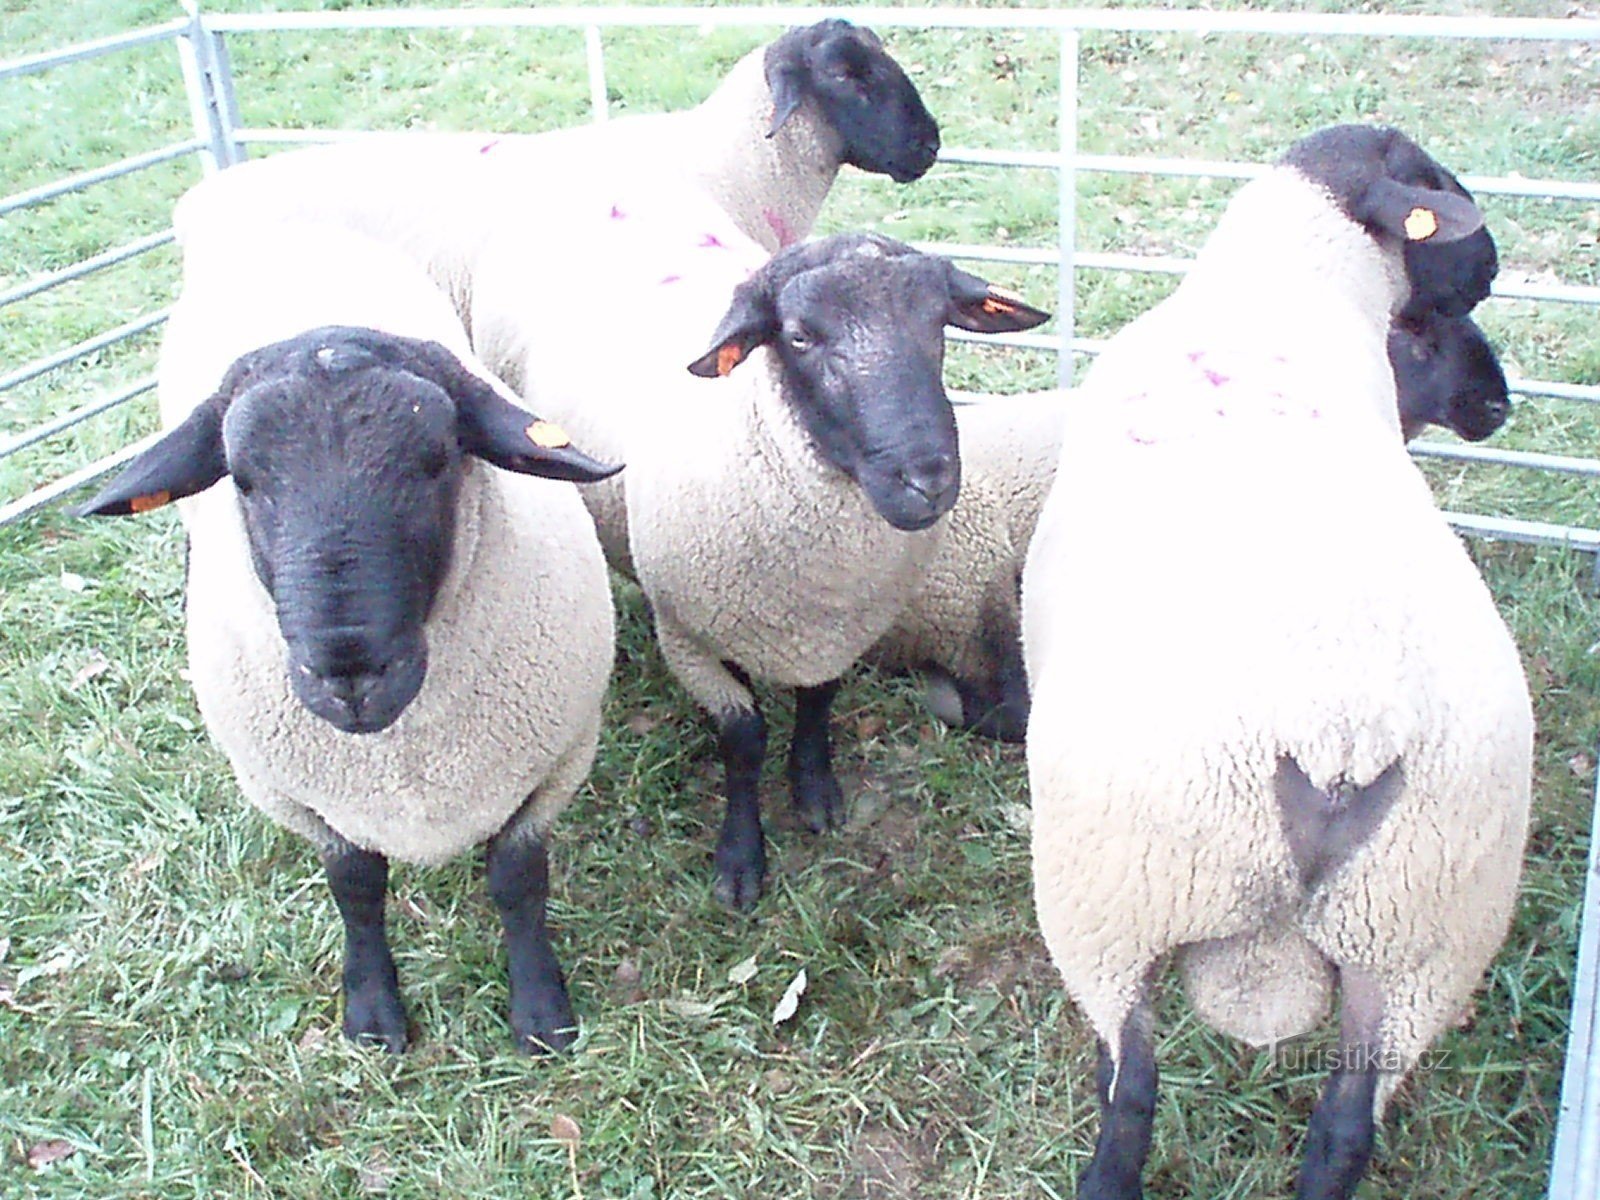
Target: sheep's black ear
x: 513, y: 439
x: 788, y: 69
x: 984, y: 308
x: 189, y: 459
x: 751, y: 321
x: 1418, y: 214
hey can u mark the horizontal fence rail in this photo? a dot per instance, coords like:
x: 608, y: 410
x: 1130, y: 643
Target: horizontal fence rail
x: 220, y: 138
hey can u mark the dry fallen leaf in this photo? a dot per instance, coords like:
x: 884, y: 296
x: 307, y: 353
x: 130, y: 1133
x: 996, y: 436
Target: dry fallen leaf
x: 743, y: 971
x: 641, y: 723
x: 564, y: 1129
x: 45, y: 1154
x: 98, y: 664
x: 789, y: 1002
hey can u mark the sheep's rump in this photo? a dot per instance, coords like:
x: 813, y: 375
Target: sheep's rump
x: 1350, y: 634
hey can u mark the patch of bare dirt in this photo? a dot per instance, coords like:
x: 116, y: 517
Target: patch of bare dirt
x: 886, y: 1164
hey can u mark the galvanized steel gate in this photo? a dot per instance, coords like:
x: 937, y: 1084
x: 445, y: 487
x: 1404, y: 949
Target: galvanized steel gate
x: 220, y: 139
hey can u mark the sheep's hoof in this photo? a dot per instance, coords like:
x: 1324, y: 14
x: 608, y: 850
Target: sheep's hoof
x: 741, y: 878
x: 541, y: 1038
x: 819, y: 801
x: 375, y: 1017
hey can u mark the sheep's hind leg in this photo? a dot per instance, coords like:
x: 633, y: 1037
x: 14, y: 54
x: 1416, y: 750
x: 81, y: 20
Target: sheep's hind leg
x: 813, y: 788
x: 1340, y: 1138
x: 519, y: 884
x: 372, y: 1008
x: 741, y: 857
x: 1127, y: 1087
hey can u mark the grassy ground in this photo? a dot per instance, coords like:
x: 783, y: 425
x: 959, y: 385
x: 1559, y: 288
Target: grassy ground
x: 169, y: 961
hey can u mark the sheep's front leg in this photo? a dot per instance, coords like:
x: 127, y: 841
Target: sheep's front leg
x: 519, y: 884
x: 741, y: 857
x: 1339, y: 1141
x: 372, y: 1008
x: 1127, y: 1087
x: 812, y: 786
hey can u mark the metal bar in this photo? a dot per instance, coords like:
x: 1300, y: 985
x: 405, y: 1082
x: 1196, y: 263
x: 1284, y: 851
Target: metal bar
x: 99, y: 342
x: 1195, y: 21
x: 75, y: 183
x: 193, y: 62
x: 88, y: 266
x: 32, y: 64
x: 50, y: 492
x: 76, y: 417
x: 595, y: 54
x: 1561, y: 464
x: 1575, y: 1163
x: 1535, y: 533
x: 1067, y: 207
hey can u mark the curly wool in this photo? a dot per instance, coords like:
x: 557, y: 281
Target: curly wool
x: 520, y: 638
x: 1284, y: 588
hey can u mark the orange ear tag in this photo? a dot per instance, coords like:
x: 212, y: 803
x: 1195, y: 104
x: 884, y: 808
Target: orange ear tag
x: 999, y: 300
x: 1421, y: 224
x: 728, y: 357
x: 547, y: 435
x: 143, y: 504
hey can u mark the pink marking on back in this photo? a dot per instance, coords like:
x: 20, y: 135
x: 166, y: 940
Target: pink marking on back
x: 672, y: 279
x: 617, y: 214
x: 488, y: 146
x: 710, y: 241
x: 779, y: 227
x: 1216, y: 378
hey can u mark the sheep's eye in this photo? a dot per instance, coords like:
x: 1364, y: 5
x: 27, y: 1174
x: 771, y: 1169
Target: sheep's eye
x: 800, y: 340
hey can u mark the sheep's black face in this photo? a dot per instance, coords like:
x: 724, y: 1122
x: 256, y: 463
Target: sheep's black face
x: 1379, y: 177
x: 862, y: 345
x: 1446, y: 373
x: 863, y: 95
x: 347, y: 484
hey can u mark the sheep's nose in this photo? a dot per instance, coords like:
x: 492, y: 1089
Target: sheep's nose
x: 933, y: 479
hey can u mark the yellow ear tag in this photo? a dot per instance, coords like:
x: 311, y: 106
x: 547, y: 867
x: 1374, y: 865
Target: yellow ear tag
x: 1421, y: 224
x: 143, y: 504
x: 728, y: 357
x: 547, y: 435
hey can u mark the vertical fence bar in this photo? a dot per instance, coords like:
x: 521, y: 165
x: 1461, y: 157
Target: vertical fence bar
x: 596, y: 54
x: 1067, y: 206
x: 221, y: 73
x: 213, y: 107
x: 1575, y: 1161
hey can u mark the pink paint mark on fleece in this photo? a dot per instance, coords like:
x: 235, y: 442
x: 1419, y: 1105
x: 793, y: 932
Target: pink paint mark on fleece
x: 617, y: 214
x: 710, y: 241
x: 672, y: 279
x: 780, y: 227
x: 488, y: 146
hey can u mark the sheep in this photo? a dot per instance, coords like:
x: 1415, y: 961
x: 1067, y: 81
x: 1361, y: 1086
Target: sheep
x: 963, y: 627
x: 779, y: 518
x: 750, y: 166
x: 399, y: 640
x: 1287, y: 737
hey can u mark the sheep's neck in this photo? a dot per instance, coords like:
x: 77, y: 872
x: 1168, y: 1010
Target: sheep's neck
x: 773, y: 188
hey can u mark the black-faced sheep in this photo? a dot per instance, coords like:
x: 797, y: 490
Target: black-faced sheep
x: 780, y: 517
x: 1286, y: 737
x: 399, y: 638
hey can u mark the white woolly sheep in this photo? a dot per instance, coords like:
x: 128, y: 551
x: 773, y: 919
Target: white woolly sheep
x: 1282, y: 731
x: 779, y: 519
x: 401, y: 648
x: 760, y: 155
x: 963, y: 627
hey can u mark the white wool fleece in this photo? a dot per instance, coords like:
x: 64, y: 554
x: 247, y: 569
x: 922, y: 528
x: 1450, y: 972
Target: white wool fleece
x: 754, y: 550
x: 1272, y: 579
x: 519, y: 649
x: 967, y: 603
x: 520, y: 638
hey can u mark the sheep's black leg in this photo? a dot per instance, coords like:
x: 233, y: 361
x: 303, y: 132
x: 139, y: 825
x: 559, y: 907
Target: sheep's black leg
x: 998, y: 710
x: 519, y: 882
x: 372, y: 1008
x: 812, y: 786
x: 1127, y: 1111
x: 1339, y: 1141
x: 741, y: 858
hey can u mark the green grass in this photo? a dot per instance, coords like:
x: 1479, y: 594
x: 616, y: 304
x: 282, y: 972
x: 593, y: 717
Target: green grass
x: 169, y: 960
